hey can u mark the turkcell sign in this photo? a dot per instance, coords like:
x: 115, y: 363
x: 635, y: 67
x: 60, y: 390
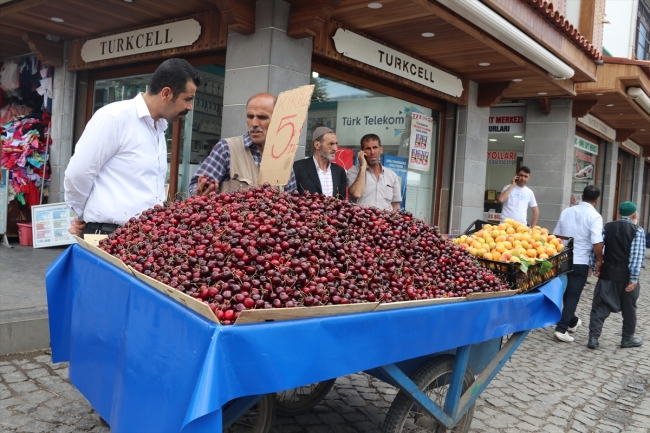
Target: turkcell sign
x: 374, y: 54
x: 163, y: 37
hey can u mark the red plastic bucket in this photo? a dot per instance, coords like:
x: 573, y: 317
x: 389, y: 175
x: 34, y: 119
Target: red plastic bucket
x: 25, y: 234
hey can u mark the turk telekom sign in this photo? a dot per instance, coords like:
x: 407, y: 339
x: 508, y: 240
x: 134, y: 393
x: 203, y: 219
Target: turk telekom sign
x: 374, y: 54
x: 163, y: 37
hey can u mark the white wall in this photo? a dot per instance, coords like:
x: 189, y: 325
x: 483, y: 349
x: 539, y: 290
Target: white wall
x: 573, y: 11
x: 618, y: 35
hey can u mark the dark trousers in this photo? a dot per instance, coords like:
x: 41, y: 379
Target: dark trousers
x: 575, y: 283
x: 611, y: 297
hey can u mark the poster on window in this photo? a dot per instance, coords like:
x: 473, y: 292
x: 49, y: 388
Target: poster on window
x: 420, y: 146
x: 400, y: 166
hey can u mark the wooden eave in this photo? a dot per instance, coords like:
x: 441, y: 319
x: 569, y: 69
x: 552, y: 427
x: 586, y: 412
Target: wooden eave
x: 611, y: 86
x: 530, y: 22
x: 458, y: 45
x: 84, y: 19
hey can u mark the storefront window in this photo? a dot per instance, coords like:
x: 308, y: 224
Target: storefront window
x: 506, y: 139
x: 200, y: 129
x: 408, y: 132
x: 584, y: 163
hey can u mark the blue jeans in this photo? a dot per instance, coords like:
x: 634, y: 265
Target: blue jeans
x: 576, y: 282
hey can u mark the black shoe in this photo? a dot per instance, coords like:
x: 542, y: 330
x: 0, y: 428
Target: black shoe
x: 593, y: 343
x: 626, y: 343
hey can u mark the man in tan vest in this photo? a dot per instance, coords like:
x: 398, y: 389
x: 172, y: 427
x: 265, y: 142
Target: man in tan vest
x: 234, y: 163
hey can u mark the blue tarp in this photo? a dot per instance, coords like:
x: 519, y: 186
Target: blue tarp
x: 148, y: 364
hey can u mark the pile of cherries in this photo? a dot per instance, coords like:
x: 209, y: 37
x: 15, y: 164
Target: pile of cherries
x: 261, y: 248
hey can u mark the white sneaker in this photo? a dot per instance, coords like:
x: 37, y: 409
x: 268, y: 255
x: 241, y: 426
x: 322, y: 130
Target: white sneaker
x: 563, y: 337
x: 575, y: 328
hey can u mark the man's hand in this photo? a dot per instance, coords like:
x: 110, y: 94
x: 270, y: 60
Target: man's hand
x: 77, y: 227
x: 630, y: 287
x: 599, y: 264
x: 514, y: 180
x: 206, y: 185
x: 362, y: 159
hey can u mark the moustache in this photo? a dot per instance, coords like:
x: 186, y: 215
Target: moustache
x: 183, y: 113
x: 255, y: 129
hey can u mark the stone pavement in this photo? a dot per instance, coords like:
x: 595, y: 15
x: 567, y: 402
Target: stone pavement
x: 547, y: 386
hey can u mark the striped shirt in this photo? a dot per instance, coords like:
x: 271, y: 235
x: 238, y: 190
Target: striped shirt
x: 217, y: 164
x: 325, y: 177
x: 637, y: 252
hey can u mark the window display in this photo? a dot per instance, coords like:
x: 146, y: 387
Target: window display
x: 408, y: 133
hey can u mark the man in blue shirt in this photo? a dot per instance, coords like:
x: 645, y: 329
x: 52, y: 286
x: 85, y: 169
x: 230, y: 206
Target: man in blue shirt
x: 618, y: 278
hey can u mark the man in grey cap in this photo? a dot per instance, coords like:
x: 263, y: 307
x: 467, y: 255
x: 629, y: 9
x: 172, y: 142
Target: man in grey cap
x: 319, y: 174
x: 618, y: 277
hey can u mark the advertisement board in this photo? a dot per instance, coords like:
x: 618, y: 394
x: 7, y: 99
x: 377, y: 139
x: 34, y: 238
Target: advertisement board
x: 50, y: 223
x: 507, y: 120
x: 420, y: 142
x: 400, y: 166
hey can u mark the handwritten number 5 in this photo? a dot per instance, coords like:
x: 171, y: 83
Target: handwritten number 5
x: 282, y: 125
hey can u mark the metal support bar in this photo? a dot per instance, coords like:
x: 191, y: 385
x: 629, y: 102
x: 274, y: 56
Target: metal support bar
x: 412, y: 390
x: 5, y: 241
x: 238, y: 408
x: 483, y: 380
x: 457, y: 379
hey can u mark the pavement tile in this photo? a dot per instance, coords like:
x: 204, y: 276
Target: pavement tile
x: 37, y: 427
x: 7, y: 369
x: 15, y: 421
x: 14, y: 377
x: 37, y: 372
x: 23, y: 387
x: 26, y: 408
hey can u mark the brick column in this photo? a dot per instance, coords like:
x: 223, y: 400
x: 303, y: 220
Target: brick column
x: 470, y: 163
x: 549, y: 153
x: 268, y: 60
x: 63, y: 95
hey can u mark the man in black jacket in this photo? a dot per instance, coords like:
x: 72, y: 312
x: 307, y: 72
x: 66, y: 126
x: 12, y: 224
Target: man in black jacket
x: 617, y: 289
x: 319, y: 174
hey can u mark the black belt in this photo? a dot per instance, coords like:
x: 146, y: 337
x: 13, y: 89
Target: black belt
x: 101, y: 227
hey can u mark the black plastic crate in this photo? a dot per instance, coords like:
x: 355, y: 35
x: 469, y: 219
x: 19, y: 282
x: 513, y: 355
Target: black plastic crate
x: 509, y: 273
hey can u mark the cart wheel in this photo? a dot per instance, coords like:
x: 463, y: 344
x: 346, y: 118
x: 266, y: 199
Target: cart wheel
x: 433, y: 379
x: 259, y: 419
x: 299, y: 400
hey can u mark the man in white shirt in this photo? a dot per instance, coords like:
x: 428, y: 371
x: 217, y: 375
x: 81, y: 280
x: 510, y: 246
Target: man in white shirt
x: 585, y: 225
x: 372, y: 184
x: 517, y: 198
x: 120, y: 162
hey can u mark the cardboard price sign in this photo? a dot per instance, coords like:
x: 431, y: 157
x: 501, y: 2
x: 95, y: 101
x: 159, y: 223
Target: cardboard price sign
x: 283, y: 135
